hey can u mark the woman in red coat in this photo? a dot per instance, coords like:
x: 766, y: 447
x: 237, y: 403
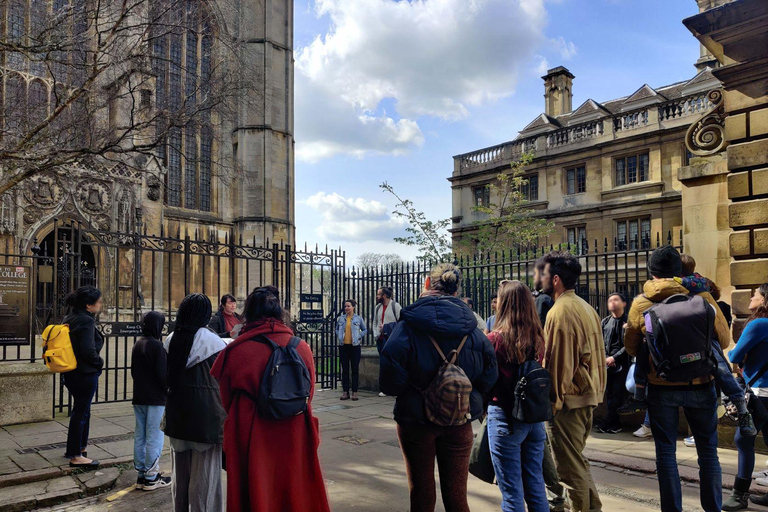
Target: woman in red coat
x: 271, y: 465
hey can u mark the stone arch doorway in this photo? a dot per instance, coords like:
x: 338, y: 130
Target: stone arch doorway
x: 65, y: 263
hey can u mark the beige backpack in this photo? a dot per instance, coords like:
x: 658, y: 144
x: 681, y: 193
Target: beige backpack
x: 446, y: 399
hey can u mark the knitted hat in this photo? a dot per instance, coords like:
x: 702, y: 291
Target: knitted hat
x: 665, y: 262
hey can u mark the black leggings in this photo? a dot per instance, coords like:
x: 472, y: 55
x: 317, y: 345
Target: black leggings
x: 350, y: 356
x: 82, y: 387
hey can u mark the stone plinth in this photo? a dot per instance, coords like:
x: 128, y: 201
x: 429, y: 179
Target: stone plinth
x: 25, y: 393
x: 369, y: 369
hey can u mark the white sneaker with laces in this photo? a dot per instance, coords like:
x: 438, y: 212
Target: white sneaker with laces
x: 382, y: 395
x: 643, y: 432
x: 690, y: 442
x: 760, y: 474
x: 762, y: 482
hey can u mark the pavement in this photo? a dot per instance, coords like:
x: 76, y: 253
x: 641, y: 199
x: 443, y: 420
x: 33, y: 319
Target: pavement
x: 362, y: 464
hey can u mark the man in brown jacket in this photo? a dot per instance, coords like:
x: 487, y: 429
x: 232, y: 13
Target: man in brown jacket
x: 697, y: 397
x: 574, y: 355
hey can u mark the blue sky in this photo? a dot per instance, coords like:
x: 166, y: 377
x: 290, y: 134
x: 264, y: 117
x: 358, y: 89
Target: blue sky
x: 390, y: 90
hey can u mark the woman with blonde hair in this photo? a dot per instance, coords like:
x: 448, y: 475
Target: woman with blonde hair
x: 437, y: 328
x: 517, y: 448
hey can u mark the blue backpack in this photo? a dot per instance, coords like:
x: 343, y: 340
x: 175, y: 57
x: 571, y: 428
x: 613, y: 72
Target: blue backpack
x: 284, y: 390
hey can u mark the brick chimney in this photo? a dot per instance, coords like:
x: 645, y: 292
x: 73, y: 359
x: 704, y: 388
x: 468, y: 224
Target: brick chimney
x: 558, y: 91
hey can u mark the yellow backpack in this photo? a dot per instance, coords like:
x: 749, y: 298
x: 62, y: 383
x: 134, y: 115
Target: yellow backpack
x: 58, y: 354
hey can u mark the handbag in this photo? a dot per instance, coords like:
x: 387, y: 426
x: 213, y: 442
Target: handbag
x: 480, y: 463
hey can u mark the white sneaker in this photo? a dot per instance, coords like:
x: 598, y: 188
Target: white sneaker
x: 763, y: 482
x: 760, y: 474
x: 690, y: 442
x: 382, y: 395
x: 643, y: 432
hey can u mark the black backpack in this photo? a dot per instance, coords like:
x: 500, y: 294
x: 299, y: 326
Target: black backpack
x: 679, y: 333
x: 285, y: 386
x: 531, y: 399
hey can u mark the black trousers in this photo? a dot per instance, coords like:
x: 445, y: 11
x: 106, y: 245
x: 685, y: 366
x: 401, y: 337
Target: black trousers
x: 350, y: 360
x: 82, y: 387
x: 615, y: 395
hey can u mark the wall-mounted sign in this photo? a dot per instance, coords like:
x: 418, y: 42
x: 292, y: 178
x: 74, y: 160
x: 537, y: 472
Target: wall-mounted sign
x: 311, y: 315
x: 128, y: 328
x: 15, y: 290
x: 312, y: 298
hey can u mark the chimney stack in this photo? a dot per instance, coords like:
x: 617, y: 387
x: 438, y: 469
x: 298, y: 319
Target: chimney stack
x: 558, y: 91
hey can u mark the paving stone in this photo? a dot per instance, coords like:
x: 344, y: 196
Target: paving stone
x: 42, y: 439
x: 47, y: 493
x: 117, y: 448
x: 30, y: 461
x: 33, y: 429
x: 96, y: 482
x: 7, y: 466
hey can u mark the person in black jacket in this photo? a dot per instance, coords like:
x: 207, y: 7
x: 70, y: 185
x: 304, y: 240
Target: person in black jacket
x: 616, y: 360
x: 83, y: 381
x: 542, y: 301
x: 226, y: 322
x: 409, y: 362
x: 194, y: 414
x: 148, y: 370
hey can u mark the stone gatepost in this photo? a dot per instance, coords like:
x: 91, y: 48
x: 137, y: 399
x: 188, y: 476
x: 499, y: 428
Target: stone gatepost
x: 737, y: 35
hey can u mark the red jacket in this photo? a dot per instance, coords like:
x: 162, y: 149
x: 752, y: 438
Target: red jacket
x: 271, y: 465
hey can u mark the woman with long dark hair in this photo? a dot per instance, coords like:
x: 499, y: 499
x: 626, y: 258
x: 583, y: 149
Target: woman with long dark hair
x: 517, y: 448
x: 194, y: 416
x: 751, y: 351
x: 83, y: 381
x: 264, y: 475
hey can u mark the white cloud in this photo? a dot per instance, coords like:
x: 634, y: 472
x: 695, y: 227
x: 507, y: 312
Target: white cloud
x: 566, y: 49
x: 347, y: 219
x: 430, y: 58
x: 543, y: 66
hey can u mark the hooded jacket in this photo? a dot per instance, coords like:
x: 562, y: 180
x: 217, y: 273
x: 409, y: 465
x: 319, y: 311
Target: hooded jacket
x: 574, y: 353
x: 194, y: 411
x: 409, y: 361
x: 655, y: 291
x: 86, y: 341
x: 149, y: 363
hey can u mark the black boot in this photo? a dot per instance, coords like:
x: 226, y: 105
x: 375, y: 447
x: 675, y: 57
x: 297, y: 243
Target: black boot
x: 739, y: 499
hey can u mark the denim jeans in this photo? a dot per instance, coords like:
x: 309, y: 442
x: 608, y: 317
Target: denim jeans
x: 148, y: 440
x: 517, y: 450
x: 82, y: 387
x: 350, y: 360
x: 700, y: 409
x: 746, y: 446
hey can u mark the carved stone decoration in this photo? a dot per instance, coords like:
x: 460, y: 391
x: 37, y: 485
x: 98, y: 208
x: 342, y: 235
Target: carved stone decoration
x: 153, y: 188
x: 44, y: 191
x: 94, y: 196
x: 707, y: 135
x: 101, y: 222
x: 31, y: 215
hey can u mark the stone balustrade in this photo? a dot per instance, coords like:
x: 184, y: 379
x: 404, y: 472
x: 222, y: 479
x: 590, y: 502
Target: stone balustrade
x: 676, y: 112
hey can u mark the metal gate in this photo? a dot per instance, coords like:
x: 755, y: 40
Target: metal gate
x: 139, y: 272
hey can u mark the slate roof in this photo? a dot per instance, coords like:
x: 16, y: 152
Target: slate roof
x: 614, y: 107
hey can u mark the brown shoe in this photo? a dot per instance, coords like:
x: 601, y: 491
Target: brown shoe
x: 354, y: 397
x: 344, y: 396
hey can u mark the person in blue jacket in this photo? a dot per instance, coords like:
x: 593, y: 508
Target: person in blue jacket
x: 751, y: 351
x: 409, y: 362
x: 350, y: 331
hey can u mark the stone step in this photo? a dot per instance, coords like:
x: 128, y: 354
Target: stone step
x: 48, y: 493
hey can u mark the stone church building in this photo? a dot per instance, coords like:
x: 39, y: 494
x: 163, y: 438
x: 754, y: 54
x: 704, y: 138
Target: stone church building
x: 221, y: 176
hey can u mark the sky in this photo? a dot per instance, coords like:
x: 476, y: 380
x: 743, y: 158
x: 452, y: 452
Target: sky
x: 390, y: 90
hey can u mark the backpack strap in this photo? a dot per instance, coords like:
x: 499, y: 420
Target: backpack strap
x: 442, y: 356
x: 294, y: 342
x: 263, y: 338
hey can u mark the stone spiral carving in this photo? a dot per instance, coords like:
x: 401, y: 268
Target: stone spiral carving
x: 707, y: 135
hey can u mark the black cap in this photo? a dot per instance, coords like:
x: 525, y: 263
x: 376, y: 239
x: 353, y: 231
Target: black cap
x: 665, y: 262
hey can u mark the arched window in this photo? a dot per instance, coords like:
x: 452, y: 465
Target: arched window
x: 37, y: 105
x: 15, y: 108
x: 182, y: 66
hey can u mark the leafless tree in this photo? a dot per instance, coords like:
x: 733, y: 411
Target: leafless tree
x: 111, y: 81
x: 373, y: 259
